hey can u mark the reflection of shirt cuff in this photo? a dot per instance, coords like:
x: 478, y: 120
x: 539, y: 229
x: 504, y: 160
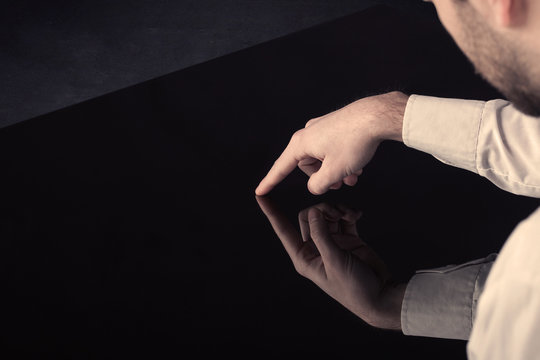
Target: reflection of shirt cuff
x: 442, y: 302
x: 446, y: 128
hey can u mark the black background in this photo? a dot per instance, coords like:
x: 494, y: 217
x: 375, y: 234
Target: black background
x: 129, y: 225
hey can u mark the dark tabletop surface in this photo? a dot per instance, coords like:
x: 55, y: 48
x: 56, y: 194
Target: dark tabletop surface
x: 129, y: 226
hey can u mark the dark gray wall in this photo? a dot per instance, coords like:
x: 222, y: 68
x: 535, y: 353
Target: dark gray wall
x: 58, y: 53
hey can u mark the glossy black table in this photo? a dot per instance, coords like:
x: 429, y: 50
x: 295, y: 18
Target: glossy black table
x: 129, y: 226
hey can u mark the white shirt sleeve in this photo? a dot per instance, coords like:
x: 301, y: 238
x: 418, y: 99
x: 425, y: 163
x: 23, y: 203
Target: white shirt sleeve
x: 491, y: 138
x: 442, y: 302
x: 496, y: 141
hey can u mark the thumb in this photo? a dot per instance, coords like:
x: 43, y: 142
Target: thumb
x: 321, y: 180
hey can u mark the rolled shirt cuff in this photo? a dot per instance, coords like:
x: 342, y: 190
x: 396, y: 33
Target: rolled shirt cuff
x: 442, y: 302
x: 446, y: 128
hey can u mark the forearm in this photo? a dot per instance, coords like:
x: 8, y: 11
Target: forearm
x: 389, y: 309
x: 389, y: 125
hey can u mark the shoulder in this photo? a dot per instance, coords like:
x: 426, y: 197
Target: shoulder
x: 519, y: 258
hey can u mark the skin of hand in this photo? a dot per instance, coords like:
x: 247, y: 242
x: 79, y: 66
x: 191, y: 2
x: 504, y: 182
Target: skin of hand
x: 333, y: 149
x: 330, y: 253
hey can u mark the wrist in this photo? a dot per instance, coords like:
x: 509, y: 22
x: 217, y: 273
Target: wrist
x: 388, y: 121
x: 389, y: 307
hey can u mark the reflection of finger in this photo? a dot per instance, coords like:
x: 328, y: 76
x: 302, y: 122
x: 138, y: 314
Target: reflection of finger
x: 303, y: 255
x: 330, y: 213
x: 304, y: 224
x: 349, y: 228
x: 348, y: 242
x: 283, y: 228
x: 320, y: 234
x: 282, y: 167
x: 349, y: 219
x: 349, y: 214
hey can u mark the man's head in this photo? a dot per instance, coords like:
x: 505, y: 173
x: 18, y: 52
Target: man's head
x: 502, y: 40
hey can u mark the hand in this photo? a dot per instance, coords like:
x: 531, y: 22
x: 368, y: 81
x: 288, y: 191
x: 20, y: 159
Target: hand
x: 330, y: 253
x: 333, y: 149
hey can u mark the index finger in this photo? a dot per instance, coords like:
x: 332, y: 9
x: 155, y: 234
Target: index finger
x: 282, y: 167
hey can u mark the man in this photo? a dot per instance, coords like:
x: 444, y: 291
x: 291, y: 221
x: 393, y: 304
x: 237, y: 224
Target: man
x: 498, y: 139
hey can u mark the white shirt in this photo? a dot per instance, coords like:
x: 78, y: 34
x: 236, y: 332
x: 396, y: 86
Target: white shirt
x: 494, y: 302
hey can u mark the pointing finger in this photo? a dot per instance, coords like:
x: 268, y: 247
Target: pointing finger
x: 282, y: 167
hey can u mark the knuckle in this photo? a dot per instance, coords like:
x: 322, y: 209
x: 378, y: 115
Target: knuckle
x: 314, y: 229
x: 297, y: 135
x: 310, y: 122
x: 325, y: 208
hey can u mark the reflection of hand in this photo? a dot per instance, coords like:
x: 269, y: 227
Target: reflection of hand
x: 333, y: 149
x: 330, y: 253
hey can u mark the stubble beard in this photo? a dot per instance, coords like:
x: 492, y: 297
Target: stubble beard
x: 500, y: 62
